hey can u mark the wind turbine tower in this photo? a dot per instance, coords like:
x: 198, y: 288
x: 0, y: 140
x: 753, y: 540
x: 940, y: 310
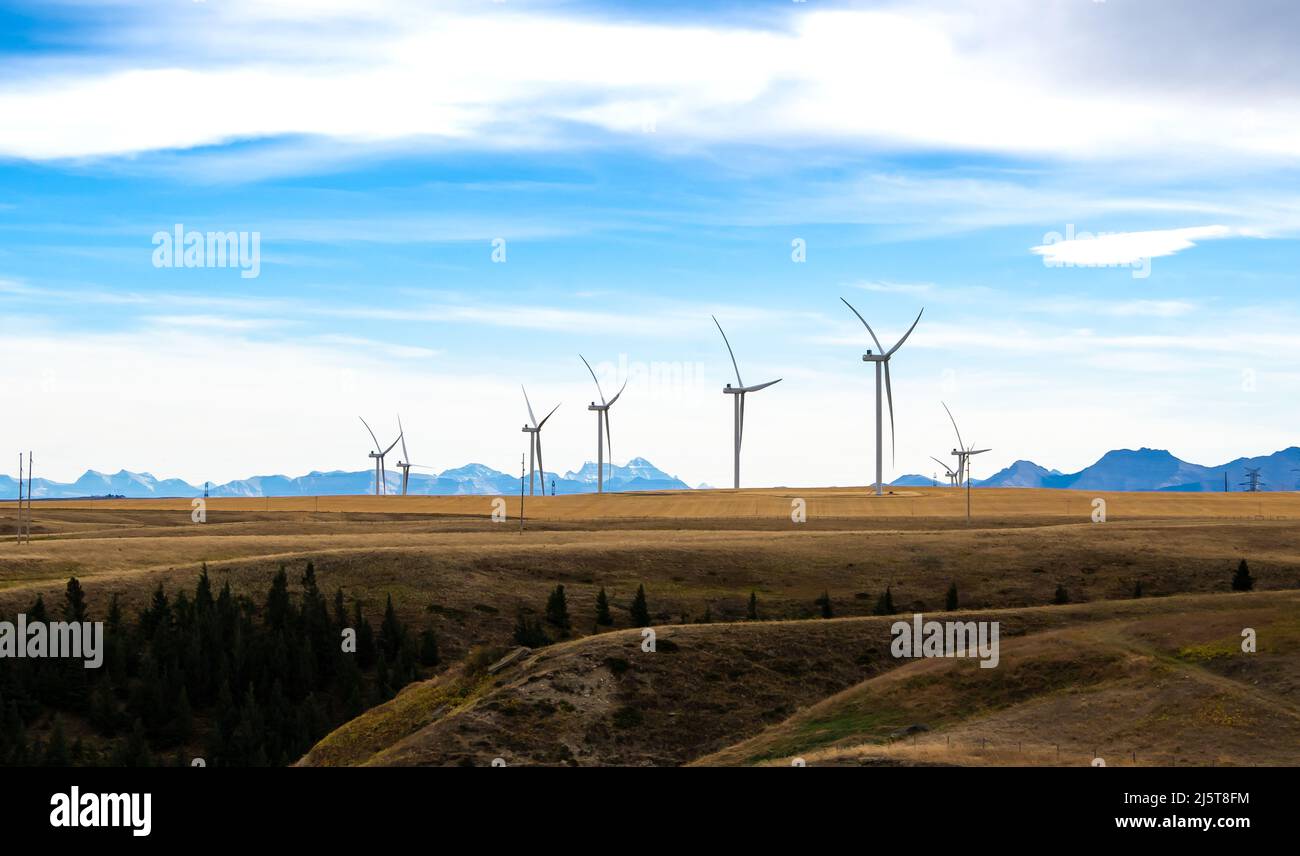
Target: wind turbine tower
x: 881, y: 359
x: 602, y: 431
x: 739, y: 391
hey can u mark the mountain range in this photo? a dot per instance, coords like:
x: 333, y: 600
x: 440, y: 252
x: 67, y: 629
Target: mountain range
x: 1117, y: 470
x: 638, y: 474
x: 1143, y: 469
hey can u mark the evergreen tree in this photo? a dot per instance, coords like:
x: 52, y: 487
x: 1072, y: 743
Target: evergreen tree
x: 133, y: 751
x: 1242, y: 580
x: 529, y: 632
x: 428, y: 648
x: 203, y: 601
x: 824, y: 604
x: 557, y: 609
x: 391, y: 633
x: 37, y: 611
x: 639, y: 612
x: 74, y: 608
x: 603, y: 616
x: 157, y: 614
x: 1137, y: 589
x: 950, y: 602
x: 365, y: 637
x: 1061, y: 596
x: 278, y: 606
x: 885, y: 605
x: 56, y: 750
x: 707, y: 618
x: 751, y: 612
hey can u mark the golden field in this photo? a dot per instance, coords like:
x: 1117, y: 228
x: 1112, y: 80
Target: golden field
x: 1108, y: 669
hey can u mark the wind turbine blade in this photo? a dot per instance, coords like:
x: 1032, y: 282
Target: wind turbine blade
x: 739, y: 382
x: 960, y: 444
x: 401, y: 435
x: 609, y: 441
x: 530, y: 406
x: 889, y: 393
x: 372, y: 434
x: 742, y: 420
x: 908, y: 333
x: 879, y: 347
x: 940, y: 463
x: 620, y: 392
x: 548, y: 416
x: 593, y: 377
x: 540, y: 466
x: 390, y: 448
x: 763, y: 385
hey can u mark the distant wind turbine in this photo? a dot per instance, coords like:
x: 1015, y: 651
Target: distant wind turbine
x: 602, y: 432
x: 381, y: 475
x: 739, y: 391
x: 963, y: 453
x: 947, y: 472
x: 535, y: 443
x: 881, y: 359
x: 405, y: 463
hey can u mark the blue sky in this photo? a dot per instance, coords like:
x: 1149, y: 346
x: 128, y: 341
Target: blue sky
x: 646, y: 170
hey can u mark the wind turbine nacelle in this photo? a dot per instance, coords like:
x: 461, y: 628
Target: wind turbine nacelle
x: 869, y: 357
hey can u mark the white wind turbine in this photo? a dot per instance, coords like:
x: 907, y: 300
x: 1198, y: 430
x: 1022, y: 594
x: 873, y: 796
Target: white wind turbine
x: 882, y: 359
x: 602, y: 432
x: 963, y: 453
x: 405, y: 463
x: 381, y: 475
x: 947, y: 472
x: 739, y: 391
x: 535, y: 443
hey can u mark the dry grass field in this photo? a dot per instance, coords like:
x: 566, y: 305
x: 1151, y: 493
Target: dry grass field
x: 1106, y: 672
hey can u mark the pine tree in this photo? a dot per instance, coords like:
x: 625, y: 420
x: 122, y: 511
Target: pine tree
x: 391, y: 632
x: 639, y: 612
x: 707, y: 618
x: 56, y: 750
x: 751, y: 612
x: 428, y: 648
x: 824, y: 603
x: 950, y: 602
x: 37, y: 611
x: 1061, y: 596
x: 529, y: 633
x: 278, y: 605
x: 75, y: 607
x: 603, y: 616
x: 365, y: 637
x: 557, y: 609
x: 1242, y: 580
x: 1137, y: 589
x: 885, y: 604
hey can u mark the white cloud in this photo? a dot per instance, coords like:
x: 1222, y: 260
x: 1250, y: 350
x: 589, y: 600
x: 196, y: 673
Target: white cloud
x: 497, y: 76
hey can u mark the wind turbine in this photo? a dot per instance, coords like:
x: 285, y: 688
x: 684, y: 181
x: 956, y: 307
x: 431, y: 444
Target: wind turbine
x: 405, y: 464
x: 381, y: 475
x: 602, y: 433
x: 739, y: 391
x: 963, y: 454
x: 948, y: 473
x: 535, y: 442
x: 882, y: 359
